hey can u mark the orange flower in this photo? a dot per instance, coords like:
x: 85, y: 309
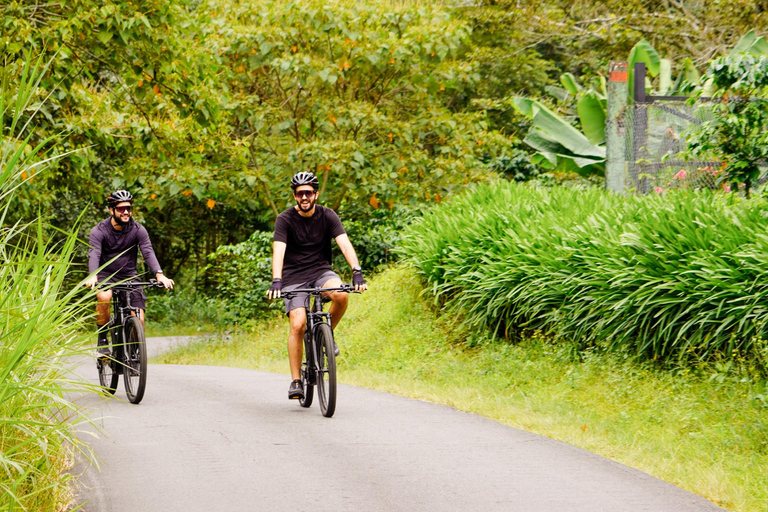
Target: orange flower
x: 187, y: 193
x: 294, y: 48
x: 374, y: 201
x: 153, y: 196
x: 210, y: 204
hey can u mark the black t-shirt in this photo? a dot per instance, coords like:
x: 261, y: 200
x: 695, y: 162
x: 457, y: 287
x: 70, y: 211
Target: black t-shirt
x: 308, y: 241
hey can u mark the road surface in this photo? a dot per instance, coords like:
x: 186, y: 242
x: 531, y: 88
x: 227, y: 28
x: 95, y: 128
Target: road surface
x: 228, y: 439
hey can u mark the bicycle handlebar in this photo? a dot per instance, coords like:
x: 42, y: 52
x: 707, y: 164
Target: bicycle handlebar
x: 348, y: 288
x: 128, y: 286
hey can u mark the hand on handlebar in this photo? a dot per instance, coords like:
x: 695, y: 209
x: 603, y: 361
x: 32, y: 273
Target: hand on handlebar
x: 167, y: 283
x: 274, y: 291
x: 91, y: 281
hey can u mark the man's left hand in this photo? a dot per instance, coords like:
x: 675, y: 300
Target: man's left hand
x: 168, y: 283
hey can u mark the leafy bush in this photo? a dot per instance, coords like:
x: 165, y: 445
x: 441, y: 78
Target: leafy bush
x: 672, y: 276
x: 241, y: 274
x: 374, y: 238
x: 517, y: 167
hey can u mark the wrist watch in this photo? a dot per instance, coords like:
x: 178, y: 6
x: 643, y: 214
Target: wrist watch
x: 357, y: 268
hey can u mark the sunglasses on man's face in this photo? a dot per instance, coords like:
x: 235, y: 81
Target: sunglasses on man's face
x: 123, y: 209
x: 301, y: 194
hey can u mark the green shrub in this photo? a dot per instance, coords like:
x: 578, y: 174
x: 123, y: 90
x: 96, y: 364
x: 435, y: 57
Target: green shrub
x: 670, y: 275
x: 374, y: 236
x: 241, y: 274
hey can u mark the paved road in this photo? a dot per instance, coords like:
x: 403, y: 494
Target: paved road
x: 226, y: 439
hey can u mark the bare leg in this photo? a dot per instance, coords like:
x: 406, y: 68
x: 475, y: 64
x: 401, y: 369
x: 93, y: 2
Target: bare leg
x: 102, y: 307
x: 339, y: 301
x: 298, y: 321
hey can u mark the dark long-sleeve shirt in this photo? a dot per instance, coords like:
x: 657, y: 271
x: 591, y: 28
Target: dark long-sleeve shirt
x: 106, y: 243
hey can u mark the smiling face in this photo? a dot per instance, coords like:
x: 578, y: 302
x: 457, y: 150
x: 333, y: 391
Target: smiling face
x: 305, y: 196
x: 121, y: 213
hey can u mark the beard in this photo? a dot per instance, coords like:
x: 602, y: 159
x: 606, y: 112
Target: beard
x: 306, y: 206
x: 119, y: 221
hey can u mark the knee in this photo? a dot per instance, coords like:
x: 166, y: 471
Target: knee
x: 340, y: 298
x: 104, y: 297
x: 298, y: 325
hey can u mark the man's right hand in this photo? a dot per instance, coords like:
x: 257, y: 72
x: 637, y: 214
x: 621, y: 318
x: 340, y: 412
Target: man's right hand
x: 274, y: 290
x: 91, y: 281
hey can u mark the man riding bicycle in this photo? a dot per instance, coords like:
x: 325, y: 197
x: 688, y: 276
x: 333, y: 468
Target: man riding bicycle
x: 301, y: 258
x: 119, y: 237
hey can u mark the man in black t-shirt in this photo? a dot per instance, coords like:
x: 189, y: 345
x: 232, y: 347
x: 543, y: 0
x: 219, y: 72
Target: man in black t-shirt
x: 301, y: 258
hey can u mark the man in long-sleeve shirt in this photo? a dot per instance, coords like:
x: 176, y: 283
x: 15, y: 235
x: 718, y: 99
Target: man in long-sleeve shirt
x: 115, y: 242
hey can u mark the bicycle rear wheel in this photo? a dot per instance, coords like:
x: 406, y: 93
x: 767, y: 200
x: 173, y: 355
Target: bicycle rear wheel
x: 307, y: 376
x: 106, y: 365
x: 135, y: 370
x: 326, y: 369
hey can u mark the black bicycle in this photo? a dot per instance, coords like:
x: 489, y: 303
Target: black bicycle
x: 319, y: 365
x: 129, y: 349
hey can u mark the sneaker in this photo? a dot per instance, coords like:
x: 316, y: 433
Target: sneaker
x: 103, y: 347
x: 296, y: 391
x: 336, y: 350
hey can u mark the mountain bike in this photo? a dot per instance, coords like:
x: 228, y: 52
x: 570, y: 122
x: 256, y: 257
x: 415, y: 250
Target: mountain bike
x: 125, y: 335
x: 319, y: 366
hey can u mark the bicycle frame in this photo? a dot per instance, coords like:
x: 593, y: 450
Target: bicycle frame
x: 129, y: 356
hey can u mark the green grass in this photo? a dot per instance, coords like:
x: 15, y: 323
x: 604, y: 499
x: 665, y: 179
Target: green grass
x: 702, y: 430
x: 40, y: 318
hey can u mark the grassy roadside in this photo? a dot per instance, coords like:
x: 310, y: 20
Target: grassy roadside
x: 704, y: 431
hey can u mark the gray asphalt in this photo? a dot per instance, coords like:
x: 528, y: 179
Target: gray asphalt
x: 227, y: 439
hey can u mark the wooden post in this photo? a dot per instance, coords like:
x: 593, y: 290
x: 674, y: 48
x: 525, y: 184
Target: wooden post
x: 615, y: 139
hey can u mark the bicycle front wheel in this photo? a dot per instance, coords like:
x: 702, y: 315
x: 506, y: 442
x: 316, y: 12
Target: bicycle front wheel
x: 326, y: 369
x: 135, y: 370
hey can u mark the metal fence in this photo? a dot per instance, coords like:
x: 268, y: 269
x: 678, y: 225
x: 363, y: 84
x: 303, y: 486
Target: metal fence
x: 654, y: 129
x: 654, y: 132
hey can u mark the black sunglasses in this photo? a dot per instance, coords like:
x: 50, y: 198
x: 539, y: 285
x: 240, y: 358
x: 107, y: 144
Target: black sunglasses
x: 301, y: 194
x: 123, y: 209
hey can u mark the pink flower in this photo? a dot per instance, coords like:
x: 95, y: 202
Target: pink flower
x: 658, y: 190
x: 681, y: 174
x: 727, y: 188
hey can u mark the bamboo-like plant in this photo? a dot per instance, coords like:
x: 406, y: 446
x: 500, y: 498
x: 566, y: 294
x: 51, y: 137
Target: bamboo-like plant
x: 39, y: 324
x: 668, y: 277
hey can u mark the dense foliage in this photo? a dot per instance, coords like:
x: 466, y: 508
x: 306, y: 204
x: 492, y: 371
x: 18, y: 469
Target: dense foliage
x: 738, y: 133
x: 205, y: 109
x: 669, y: 276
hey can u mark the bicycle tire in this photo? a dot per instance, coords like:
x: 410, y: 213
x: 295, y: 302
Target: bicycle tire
x: 326, y: 369
x: 307, y: 379
x: 135, y: 357
x: 108, y: 377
